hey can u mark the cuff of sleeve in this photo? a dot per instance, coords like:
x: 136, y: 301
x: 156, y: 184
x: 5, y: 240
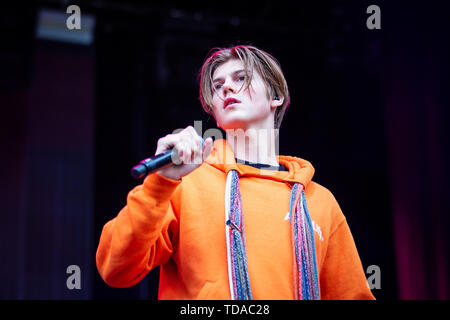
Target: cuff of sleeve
x: 160, y: 187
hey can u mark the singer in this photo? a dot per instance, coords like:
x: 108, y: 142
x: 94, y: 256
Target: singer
x: 235, y: 220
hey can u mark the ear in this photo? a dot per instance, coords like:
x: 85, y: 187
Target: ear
x: 277, y: 101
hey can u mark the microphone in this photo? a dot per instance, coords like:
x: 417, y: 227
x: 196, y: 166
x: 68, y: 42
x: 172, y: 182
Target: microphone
x: 153, y: 164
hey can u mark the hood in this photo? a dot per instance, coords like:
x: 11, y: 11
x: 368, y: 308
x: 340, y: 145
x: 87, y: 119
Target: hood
x: 300, y: 170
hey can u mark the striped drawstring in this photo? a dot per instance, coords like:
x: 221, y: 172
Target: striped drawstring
x: 302, y: 235
x: 236, y: 248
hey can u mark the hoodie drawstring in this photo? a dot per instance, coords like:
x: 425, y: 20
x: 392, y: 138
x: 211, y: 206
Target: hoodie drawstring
x: 305, y: 268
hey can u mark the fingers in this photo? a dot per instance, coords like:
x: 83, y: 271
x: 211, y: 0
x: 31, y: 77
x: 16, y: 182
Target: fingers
x: 178, y: 156
x: 191, y: 143
x: 187, y: 145
x: 197, y: 151
x: 207, y: 148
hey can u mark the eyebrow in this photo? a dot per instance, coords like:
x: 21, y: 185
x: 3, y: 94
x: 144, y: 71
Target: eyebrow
x: 234, y: 73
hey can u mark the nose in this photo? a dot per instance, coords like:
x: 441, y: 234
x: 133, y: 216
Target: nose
x: 228, y: 86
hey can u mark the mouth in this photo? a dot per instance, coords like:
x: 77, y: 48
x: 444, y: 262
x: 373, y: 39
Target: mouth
x: 229, y: 102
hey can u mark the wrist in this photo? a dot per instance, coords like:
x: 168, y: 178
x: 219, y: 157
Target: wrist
x: 169, y: 176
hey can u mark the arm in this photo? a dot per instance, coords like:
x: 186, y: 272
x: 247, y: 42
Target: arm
x: 342, y: 276
x: 143, y: 234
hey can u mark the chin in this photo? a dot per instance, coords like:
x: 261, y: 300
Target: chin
x: 239, y: 123
x: 234, y: 125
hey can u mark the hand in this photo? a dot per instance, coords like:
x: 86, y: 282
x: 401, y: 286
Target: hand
x: 188, y: 152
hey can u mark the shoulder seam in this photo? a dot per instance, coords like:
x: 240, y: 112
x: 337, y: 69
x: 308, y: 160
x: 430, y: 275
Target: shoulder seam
x: 337, y: 227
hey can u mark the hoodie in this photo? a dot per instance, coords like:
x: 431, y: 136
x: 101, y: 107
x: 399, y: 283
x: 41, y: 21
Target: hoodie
x: 179, y: 225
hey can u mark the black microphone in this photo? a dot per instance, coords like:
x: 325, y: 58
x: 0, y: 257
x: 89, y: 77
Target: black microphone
x: 152, y: 164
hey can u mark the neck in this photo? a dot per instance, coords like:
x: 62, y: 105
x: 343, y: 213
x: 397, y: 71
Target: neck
x: 254, y: 145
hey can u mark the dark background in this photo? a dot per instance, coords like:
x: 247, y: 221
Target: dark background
x: 369, y: 111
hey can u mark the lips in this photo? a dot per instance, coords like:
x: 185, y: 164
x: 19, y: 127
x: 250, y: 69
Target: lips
x: 229, y: 101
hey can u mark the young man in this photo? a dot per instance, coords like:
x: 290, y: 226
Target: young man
x: 235, y: 220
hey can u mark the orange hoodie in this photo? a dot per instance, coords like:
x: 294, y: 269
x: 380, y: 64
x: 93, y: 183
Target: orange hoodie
x: 180, y: 226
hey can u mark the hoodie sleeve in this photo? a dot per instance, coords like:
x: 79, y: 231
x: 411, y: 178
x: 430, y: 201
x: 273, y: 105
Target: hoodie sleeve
x: 142, y: 235
x: 342, y: 276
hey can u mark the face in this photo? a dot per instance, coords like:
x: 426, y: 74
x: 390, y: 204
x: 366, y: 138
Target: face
x: 237, y: 107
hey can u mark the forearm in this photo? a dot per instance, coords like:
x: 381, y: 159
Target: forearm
x: 138, y: 239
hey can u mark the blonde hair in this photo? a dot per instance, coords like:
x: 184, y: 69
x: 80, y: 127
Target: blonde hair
x: 253, y: 59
